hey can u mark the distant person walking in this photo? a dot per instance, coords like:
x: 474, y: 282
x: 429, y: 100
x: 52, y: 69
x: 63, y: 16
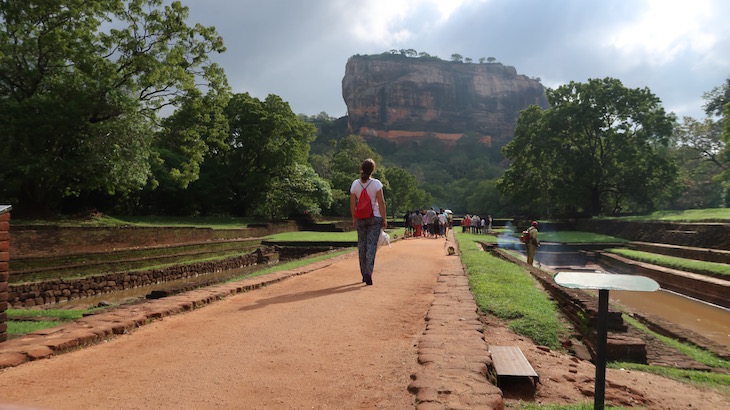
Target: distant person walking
x: 532, y: 242
x: 368, y: 217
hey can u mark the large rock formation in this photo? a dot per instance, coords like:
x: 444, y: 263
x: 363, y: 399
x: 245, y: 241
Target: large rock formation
x: 396, y: 97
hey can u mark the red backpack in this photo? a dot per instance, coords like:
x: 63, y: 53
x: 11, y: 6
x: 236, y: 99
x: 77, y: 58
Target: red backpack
x: 364, y: 208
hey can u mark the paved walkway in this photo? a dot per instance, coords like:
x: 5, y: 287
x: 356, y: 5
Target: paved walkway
x: 315, y: 308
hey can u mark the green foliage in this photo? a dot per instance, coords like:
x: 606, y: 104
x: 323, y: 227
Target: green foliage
x: 689, y: 215
x: 509, y: 292
x: 688, y: 265
x: 698, y: 153
x: 696, y: 377
x: 297, y: 191
x: 451, y: 173
x: 60, y: 314
x: 305, y: 236
x: 600, y: 148
x: 404, y: 193
x: 578, y: 237
x: 258, y: 168
x: 341, y: 165
x: 717, y: 104
x: 703, y: 356
x: 78, y: 100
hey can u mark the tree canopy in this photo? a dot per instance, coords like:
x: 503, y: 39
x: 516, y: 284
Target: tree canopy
x: 599, y: 148
x: 81, y: 84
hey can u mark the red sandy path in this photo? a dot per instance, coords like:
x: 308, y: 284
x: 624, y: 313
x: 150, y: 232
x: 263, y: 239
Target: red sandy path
x: 320, y: 340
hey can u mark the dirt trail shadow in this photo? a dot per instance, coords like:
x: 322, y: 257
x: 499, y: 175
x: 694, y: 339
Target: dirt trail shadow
x: 296, y: 297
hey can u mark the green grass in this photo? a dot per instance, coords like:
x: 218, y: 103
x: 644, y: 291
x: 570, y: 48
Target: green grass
x: 577, y: 406
x: 129, y: 266
x: 688, y: 265
x: 509, y: 292
x: 701, y: 355
x: 215, y: 222
x: 60, y: 314
x: 718, y: 381
x: 578, y: 237
x: 304, y: 236
x: 491, y: 239
x: 21, y: 327
x: 689, y: 215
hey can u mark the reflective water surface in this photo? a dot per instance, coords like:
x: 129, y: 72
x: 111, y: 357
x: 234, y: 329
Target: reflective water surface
x: 710, y: 321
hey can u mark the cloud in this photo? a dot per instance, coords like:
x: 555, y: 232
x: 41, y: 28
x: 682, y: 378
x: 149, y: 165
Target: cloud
x: 298, y: 50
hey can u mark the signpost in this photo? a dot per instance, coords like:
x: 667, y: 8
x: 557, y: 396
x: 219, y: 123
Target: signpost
x: 603, y: 282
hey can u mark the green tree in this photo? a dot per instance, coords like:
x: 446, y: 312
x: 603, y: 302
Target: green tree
x: 698, y: 149
x: 266, y: 140
x: 402, y: 191
x: 717, y: 99
x: 296, y: 191
x: 457, y: 58
x: 717, y: 104
x: 491, y: 59
x: 81, y: 83
x: 601, y: 147
x: 341, y: 165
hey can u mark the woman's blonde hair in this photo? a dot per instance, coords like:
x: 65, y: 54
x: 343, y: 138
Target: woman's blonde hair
x: 366, y: 169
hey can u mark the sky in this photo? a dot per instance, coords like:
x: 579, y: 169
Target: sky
x: 297, y: 49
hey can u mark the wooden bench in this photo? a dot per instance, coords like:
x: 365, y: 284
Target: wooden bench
x: 511, y: 364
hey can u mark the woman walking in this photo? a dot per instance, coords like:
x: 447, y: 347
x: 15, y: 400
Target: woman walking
x: 368, y: 217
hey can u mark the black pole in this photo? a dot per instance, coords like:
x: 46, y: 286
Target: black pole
x: 601, y: 353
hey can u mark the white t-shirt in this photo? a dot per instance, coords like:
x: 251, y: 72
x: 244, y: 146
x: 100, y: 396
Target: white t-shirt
x: 373, y: 188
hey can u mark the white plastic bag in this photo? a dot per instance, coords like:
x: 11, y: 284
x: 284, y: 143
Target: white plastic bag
x: 384, y: 239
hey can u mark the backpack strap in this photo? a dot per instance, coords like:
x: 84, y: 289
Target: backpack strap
x: 364, y: 187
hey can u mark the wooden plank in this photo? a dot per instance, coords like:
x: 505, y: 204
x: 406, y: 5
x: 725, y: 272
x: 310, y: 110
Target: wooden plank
x: 510, y: 361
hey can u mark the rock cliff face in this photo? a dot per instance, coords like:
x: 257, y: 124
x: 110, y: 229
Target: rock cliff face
x: 398, y: 97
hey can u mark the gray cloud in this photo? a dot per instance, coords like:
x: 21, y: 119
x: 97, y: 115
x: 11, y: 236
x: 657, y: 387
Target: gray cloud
x: 298, y: 50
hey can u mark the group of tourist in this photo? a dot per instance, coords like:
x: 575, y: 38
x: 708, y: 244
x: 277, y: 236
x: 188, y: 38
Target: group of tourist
x: 429, y: 223
x: 476, y: 224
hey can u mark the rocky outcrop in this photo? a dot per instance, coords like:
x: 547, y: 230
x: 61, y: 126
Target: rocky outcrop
x: 399, y: 97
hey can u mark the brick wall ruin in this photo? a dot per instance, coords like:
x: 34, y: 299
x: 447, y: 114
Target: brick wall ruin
x: 4, y: 274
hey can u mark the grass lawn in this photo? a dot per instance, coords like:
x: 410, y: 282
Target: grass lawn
x: 305, y: 236
x: 47, y: 319
x: 689, y: 215
x: 215, y: 222
x: 509, y: 292
x: 687, y: 265
x: 578, y: 237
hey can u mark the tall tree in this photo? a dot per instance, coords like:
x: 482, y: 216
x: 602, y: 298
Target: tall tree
x: 266, y: 139
x: 717, y: 103
x: 340, y: 166
x: 600, y: 148
x: 698, y: 149
x: 80, y: 85
x: 402, y: 191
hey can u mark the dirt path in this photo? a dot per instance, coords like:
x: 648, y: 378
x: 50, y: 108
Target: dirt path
x: 319, y: 340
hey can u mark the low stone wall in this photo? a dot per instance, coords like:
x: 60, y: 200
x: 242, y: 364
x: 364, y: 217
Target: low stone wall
x: 4, y: 273
x: 45, y: 240
x: 700, y: 235
x: 59, y: 290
